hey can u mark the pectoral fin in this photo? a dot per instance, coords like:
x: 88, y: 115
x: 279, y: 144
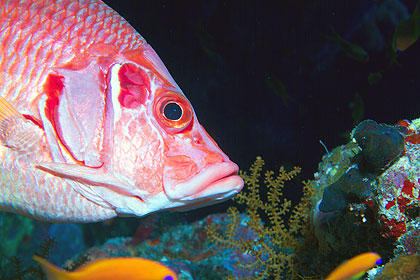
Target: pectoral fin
x: 91, y: 176
x: 16, y: 132
x: 111, y: 190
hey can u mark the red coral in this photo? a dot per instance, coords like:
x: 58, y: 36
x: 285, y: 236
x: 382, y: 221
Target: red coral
x: 389, y: 204
x: 411, y: 135
x: 403, y: 203
x: 392, y: 228
x: 368, y: 203
x: 405, y: 123
x: 408, y: 188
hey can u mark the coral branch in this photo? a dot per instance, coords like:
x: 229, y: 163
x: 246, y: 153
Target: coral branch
x: 273, y: 237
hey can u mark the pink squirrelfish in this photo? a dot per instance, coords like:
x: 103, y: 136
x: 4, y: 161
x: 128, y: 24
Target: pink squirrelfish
x: 92, y: 125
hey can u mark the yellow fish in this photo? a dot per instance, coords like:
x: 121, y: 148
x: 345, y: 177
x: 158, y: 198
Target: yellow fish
x: 351, y: 50
x: 355, y: 267
x: 407, y: 32
x: 110, y: 268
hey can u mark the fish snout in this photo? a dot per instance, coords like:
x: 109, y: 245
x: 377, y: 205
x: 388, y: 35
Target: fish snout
x: 216, y: 182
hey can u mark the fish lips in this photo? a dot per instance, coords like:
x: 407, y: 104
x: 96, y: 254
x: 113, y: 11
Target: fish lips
x: 217, y: 182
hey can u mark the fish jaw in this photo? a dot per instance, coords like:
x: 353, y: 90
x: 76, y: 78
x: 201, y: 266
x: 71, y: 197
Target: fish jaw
x: 217, y: 181
x: 212, y: 185
x: 199, y: 171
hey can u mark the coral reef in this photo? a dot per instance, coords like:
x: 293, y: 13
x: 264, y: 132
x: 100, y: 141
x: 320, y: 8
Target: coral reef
x: 272, y: 236
x: 184, y: 248
x: 403, y: 268
x: 261, y: 242
x: 366, y: 194
x: 374, y: 204
x: 380, y: 146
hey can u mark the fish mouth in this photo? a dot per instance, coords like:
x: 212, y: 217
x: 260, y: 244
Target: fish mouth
x: 216, y: 182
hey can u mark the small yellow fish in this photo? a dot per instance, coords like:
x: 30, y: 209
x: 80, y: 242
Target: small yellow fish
x: 374, y: 77
x: 351, y: 50
x: 278, y: 87
x: 110, y: 268
x: 355, y: 267
x: 407, y: 32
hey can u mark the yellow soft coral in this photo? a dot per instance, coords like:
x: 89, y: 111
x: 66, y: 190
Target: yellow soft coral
x: 275, y: 239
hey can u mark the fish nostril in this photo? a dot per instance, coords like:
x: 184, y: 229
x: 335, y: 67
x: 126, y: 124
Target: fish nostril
x: 197, y: 139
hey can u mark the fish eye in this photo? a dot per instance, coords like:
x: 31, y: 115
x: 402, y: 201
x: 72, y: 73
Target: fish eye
x: 173, y: 111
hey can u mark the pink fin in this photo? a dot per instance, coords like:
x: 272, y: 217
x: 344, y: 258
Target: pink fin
x: 106, y: 189
x: 16, y: 132
x: 7, y: 111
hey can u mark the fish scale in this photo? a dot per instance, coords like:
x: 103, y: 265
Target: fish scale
x: 49, y: 50
x: 130, y: 143
x: 17, y: 190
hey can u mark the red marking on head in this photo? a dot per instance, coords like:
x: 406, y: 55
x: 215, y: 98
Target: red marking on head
x: 135, y: 86
x: 146, y: 57
x: 53, y: 87
x: 408, y: 188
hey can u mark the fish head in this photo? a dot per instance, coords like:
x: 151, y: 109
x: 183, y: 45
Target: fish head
x: 139, y: 148
x: 188, y: 167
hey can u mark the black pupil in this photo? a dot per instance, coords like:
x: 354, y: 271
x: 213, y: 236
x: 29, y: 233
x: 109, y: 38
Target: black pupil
x: 172, y: 111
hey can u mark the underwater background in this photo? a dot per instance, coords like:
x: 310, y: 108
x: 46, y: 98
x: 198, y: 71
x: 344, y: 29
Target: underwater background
x: 269, y: 79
